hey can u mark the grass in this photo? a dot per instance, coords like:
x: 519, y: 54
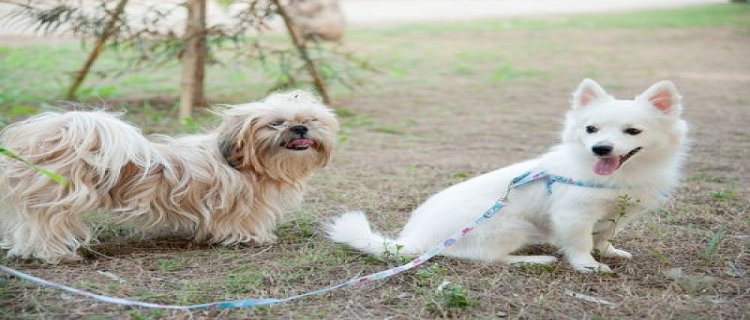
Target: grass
x: 690, y: 17
x: 451, y: 100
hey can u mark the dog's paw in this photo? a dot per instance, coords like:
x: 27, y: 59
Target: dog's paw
x: 617, y: 253
x: 591, y: 267
x: 61, y: 259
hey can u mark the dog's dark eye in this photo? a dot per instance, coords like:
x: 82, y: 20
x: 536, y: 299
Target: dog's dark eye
x: 591, y: 129
x: 632, y: 131
x: 277, y: 123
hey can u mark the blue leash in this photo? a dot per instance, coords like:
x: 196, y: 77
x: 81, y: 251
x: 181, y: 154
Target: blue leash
x: 522, y: 180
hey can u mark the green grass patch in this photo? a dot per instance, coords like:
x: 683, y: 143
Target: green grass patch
x: 695, y: 16
x: 387, y: 129
x: 505, y: 71
x: 450, y: 298
x: 724, y: 195
x: 243, y: 282
x: 297, y: 230
x: 714, y: 240
x: 170, y: 265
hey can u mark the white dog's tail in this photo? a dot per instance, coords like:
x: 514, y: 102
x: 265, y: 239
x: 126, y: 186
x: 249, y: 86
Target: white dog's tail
x: 354, y: 230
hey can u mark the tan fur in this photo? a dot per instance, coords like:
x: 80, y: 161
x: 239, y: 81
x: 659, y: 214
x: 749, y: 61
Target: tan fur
x: 230, y: 185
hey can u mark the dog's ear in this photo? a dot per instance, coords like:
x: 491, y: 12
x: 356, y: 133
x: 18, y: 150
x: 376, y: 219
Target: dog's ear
x: 233, y: 135
x: 587, y: 92
x: 664, y: 96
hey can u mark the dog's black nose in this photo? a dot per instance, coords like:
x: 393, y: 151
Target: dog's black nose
x: 602, y: 149
x: 299, y: 129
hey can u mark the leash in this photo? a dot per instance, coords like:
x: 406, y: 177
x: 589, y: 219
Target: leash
x: 520, y: 181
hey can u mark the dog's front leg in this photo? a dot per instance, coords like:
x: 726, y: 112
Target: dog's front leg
x: 572, y: 234
x: 604, y: 231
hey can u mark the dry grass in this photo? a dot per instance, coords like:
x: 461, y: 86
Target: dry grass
x: 448, y: 106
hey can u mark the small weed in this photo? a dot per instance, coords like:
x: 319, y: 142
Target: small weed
x: 169, y: 265
x: 506, y: 71
x: 714, y: 240
x: 300, y: 228
x: 431, y: 271
x: 113, y: 286
x: 191, y: 292
x: 142, y: 314
x: 243, y: 282
x: 4, y: 288
x: 150, y: 113
x: 723, y: 195
x: 394, y: 256
x: 690, y: 283
x: 387, y: 129
x: 108, y: 230
x: 343, y: 112
x: 534, y: 268
x: 22, y: 110
x: 322, y: 257
x: 374, y: 260
x: 97, y: 91
x: 411, y: 122
x: 459, y: 175
x: 357, y: 120
x: 709, y: 178
x: 450, y: 298
x: 624, y: 204
x: 463, y: 70
x: 662, y: 257
x: 343, y: 137
x: 429, y: 275
x: 189, y: 124
x: 410, y: 170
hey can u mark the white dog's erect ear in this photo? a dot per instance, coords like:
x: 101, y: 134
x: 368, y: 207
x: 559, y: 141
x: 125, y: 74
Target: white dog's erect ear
x: 588, y: 91
x: 664, y: 96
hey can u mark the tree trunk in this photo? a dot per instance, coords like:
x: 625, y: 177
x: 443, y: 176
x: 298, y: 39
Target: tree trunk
x: 299, y: 43
x: 109, y: 30
x: 193, y: 59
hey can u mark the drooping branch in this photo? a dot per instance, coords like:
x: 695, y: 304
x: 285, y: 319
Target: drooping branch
x: 299, y: 43
x: 109, y: 29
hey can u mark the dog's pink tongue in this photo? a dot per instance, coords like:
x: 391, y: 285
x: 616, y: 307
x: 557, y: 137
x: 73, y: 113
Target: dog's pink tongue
x: 300, y: 142
x: 605, y: 166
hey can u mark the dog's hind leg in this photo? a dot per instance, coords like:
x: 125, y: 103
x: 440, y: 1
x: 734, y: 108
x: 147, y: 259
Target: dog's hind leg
x: 505, y: 237
x: 49, y: 237
x: 44, y: 219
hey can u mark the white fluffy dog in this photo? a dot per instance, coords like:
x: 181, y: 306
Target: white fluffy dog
x: 637, y: 145
x: 230, y: 185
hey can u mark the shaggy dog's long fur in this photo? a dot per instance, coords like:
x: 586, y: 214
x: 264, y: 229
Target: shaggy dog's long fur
x: 637, y: 145
x: 227, y: 186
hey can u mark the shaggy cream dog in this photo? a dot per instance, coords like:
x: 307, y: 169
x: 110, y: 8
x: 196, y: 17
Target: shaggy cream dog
x: 230, y: 185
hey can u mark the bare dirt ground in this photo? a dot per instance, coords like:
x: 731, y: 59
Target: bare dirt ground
x: 481, y: 101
